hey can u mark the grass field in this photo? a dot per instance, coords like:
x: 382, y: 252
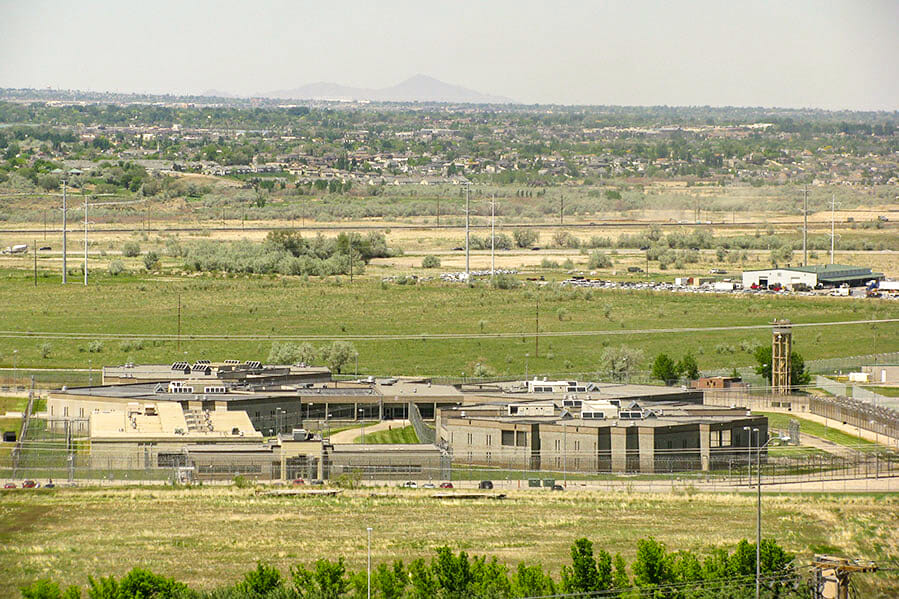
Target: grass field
x: 777, y: 420
x: 395, y: 435
x: 135, y: 307
x: 208, y: 537
x: 887, y: 391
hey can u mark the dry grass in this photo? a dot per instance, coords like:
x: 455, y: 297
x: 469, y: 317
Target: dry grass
x: 209, y: 536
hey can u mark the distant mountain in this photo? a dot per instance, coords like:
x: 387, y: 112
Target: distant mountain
x: 216, y: 93
x: 419, y: 88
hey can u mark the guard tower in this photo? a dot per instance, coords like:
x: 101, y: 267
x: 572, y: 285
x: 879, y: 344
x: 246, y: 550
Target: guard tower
x: 781, y: 348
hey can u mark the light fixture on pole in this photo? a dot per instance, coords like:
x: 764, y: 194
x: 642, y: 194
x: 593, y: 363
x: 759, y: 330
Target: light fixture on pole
x: 758, y: 522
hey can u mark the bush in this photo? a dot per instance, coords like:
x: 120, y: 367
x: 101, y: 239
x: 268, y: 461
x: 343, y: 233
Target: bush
x: 130, y: 345
x: 504, y: 281
x: 46, y: 348
x: 130, y: 249
x: 525, y: 238
x: 151, y: 260
x: 95, y: 347
x: 430, y: 262
x: 116, y: 267
x: 599, y: 260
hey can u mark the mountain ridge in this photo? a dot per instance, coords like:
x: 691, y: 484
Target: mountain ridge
x: 418, y: 88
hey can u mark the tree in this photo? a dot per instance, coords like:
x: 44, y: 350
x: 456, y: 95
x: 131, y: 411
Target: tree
x: 136, y: 583
x: 530, y: 581
x: 261, y: 581
x: 619, y: 363
x: 338, y: 354
x: 587, y: 574
x: 651, y: 567
x: 327, y: 581
x: 799, y: 375
x: 688, y: 368
x: 663, y: 368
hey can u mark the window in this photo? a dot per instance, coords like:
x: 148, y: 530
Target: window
x: 65, y: 411
x: 508, y: 438
x: 725, y: 438
x: 521, y: 439
x: 714, y: 438
x: 489, y: 439
x: 469, y: 438
x: 558, y: 445
x: 81, y: 412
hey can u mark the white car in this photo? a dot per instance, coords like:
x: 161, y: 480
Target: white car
x: 410, y: 484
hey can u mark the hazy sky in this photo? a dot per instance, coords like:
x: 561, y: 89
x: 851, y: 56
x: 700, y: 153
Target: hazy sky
x: 723, y: 52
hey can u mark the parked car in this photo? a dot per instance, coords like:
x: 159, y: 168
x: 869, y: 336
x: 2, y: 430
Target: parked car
x: 317, y: 482
x: 299, y: 481
x: 446, y: 485
x: 558, y: 488
x: 50, y: 485
x: 29, y: 484
x: 485, y: 484
x: 9, y: 486
x: 410, y: 484
x: 428, y: 486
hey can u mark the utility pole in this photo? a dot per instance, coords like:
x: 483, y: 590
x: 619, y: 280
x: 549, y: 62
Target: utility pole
x: 64, y: 213
x: 85, y: 235
x: 438, y: 212
x: 833, y: 207
x: 537, y: 330
x: 179, y: 322
x: 805, y: 230
x: 467, y: 222
x: 493, y: 236
x: 561, y: 209
x: 34, y: 249
x: 351, y: 257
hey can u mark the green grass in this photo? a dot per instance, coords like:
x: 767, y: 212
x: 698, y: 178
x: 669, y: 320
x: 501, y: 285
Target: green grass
x: 207, y: 536
x: 887, y: 391
x: 394, y: 435
x: 781, y: 421
x: 12, y: 404
x: 288, y: 306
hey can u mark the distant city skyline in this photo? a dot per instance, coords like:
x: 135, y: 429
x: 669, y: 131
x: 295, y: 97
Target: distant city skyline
x: 831, y: 55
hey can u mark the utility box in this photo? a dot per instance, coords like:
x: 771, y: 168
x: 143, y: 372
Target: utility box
x: 534, y: 482
x: 549, y: 482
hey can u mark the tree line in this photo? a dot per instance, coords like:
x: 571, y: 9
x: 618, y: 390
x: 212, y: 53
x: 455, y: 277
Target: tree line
x: 655, y: 572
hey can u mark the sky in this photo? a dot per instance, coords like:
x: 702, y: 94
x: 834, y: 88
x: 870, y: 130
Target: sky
x: 802, y: 53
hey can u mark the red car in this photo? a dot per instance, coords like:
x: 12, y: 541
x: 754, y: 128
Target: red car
x: 29, y: 484
x: 9, y: 486
x: 446, y: 485
x: 299, y: 481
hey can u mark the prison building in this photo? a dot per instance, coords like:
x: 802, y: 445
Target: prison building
x: 674, y: 437
x: 233, y: 371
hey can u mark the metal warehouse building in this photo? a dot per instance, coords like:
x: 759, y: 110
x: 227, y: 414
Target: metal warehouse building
x: 815, y: 276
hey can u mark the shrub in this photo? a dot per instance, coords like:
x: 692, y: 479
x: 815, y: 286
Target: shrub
x: 599, y: 260
x: 151, y: 260
x: 130, y: 249
x: 116, y: 267
x: 504, y: 281
x: 46, y: 348
x: 95, y: 347
x: 130, y: 345
x: 430, y: 262
x: 525, y: 238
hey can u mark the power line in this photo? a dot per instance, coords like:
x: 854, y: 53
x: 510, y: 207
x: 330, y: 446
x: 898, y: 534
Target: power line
x: 12, y: 334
